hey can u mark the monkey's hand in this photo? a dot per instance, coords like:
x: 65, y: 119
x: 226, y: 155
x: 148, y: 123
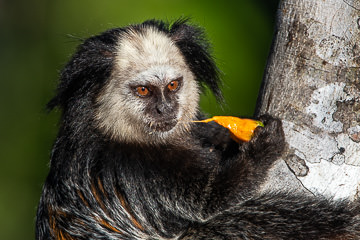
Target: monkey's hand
x: 267, y: 143
x: 242, y: 176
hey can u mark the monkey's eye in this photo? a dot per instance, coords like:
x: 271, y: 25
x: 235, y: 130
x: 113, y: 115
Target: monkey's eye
x: 142, y: 91
x: 173, y: 85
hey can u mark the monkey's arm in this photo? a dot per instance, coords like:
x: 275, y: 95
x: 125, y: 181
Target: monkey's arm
x: 240, y: 174
x: 278, y: 216
x: 258, y: 155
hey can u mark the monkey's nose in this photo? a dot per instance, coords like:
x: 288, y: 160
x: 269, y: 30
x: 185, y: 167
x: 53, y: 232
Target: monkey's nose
x: 163, y: 108
x: 159, y: 110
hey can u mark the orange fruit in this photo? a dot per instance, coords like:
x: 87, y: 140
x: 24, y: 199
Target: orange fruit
x: 241, y: 129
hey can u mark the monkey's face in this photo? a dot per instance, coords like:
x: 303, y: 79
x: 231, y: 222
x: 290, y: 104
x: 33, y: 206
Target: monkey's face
x: 152, y: 95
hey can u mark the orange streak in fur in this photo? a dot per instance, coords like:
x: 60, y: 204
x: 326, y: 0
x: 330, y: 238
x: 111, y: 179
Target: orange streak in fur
x: 101, y: 186
x: 57, y: 233
x: 108, y: 225
x: 83, y: 198
x: 127, y: 208
x: 97, y: 197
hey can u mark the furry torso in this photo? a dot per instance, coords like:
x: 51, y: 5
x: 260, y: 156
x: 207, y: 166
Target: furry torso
x: 132, y: 190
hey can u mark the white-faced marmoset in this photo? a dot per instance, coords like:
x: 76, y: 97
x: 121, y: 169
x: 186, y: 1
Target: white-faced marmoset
x: 130, y: 163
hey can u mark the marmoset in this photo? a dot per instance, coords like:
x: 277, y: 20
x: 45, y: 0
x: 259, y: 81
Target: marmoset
x: 130, y: 163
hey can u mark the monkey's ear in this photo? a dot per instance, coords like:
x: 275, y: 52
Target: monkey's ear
x: 196, y: 49
x: 88, y: 68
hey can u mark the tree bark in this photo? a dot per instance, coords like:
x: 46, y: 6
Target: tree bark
x: 312, y: 82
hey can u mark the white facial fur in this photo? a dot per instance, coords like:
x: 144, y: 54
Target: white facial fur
x: 149, y: 57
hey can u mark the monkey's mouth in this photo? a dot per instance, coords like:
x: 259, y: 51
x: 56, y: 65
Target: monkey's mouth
x: 162, y: 126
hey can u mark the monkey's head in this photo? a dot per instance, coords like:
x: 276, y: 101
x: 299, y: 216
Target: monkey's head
x: 142, y: 82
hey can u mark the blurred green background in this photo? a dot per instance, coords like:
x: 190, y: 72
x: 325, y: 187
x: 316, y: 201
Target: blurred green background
x: 35, y: 44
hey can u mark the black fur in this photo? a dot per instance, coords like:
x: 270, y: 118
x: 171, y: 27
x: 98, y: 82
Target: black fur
x: 90, y: 66
x: 98, y: 188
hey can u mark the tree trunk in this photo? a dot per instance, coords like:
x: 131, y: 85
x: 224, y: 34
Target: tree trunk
x: 312, y: 82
